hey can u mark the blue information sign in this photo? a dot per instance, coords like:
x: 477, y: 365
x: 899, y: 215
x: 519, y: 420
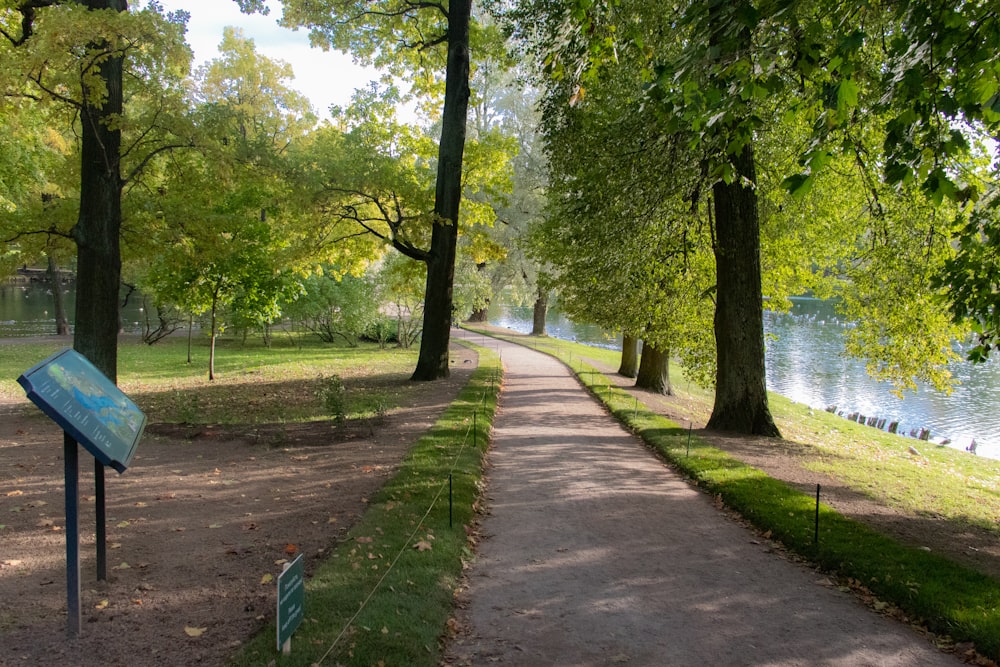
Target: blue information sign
x: 87, y: 405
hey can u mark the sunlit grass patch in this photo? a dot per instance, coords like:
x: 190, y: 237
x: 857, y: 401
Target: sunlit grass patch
x: 386, y: 593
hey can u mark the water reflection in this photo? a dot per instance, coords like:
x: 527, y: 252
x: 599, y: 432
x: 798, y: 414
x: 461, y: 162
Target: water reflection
x: 805, y: 362
x: 29, y: 310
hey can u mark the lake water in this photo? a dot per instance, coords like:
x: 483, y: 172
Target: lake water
x: 806, y: 362
x: 27, y: 310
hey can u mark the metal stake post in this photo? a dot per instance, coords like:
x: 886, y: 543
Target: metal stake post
x: 102, y: 529
x: 71, y: 465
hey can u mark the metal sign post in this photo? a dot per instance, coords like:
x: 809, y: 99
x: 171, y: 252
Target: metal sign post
x: 95, y: 414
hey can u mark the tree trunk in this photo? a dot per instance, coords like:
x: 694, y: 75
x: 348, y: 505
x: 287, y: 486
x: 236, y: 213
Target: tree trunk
x: 58, y: 306
x: 654, y: 370
x: 211, y: 346
x: 630, y: 356
x: 538, y: 313
x: 740, y: 391
x: 98, y: 226
x: 481, y: 314
x: 432, y: 363
x: 740, y: 387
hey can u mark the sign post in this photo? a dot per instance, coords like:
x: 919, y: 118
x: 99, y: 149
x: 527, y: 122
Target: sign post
x: 291, y: 602
x: 93, y: 413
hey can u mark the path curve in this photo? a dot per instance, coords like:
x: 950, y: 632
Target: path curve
x: 595, y: 553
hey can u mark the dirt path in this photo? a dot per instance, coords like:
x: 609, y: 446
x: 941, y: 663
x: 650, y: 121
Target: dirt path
x: 594, y: 553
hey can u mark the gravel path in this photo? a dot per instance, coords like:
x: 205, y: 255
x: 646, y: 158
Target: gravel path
x: 595, y: 553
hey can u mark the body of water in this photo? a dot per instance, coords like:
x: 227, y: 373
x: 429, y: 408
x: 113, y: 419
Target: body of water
x: 28, y: 310
x: 806, y: 362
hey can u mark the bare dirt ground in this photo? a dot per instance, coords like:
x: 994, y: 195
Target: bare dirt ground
x: 198, y: 527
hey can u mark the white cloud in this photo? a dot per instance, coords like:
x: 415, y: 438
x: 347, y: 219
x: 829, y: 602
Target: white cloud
x: 325, y: 77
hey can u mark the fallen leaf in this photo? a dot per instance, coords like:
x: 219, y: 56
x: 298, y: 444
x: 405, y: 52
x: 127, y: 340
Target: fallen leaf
x: 332, y: 519
x: 140, y: 504
x: 281, y: 561
x: 423, y: 545
x: 44, y: 523
x: 194, y: 632
x: 11, y: 494
x: 115, y: 545
x: 215, y: 525
x: 385, y: 630
x: 103, y: 604
x: 291, y: 549
x: 121, y: 566
x: 266, y: 579
x: 122, y: 524
x: 364, y: 540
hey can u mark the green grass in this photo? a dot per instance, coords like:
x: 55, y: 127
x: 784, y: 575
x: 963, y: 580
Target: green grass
x: 949, y: 598
x: 254, y: 384
x: 386, y: 593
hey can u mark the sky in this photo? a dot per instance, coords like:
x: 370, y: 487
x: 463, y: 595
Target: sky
x: 325, y: 77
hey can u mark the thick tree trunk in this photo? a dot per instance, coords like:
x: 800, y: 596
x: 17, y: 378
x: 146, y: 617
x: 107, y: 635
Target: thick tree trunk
x: 539, y: 312
x: 740, y: 391
x: 654, y: 370
x: 740, y: 387
x: 432, y: 363
x: 99, y: 222
x: 58, y: 304
x: 630, y: 356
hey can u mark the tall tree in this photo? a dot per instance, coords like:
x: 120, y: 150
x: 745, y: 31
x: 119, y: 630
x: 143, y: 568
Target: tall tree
x: 227, y: 239
x: 400, y: 34
x: 88, y: 78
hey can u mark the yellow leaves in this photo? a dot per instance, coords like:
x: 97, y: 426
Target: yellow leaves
x: 191, y: 631
x: 121, y: 566
x: 103, y: 604
x: 423, y: 545
x: 266, y: 579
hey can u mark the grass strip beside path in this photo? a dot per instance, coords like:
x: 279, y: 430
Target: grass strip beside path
x: 955, y: 602
x: 385, y: 595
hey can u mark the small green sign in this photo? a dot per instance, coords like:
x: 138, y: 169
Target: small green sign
x: 291, y: 599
